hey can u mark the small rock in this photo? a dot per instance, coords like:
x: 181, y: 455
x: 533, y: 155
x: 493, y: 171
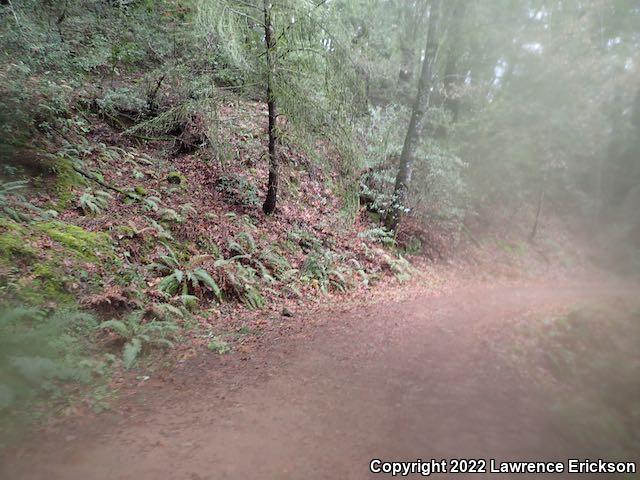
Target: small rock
x: 286, y: 312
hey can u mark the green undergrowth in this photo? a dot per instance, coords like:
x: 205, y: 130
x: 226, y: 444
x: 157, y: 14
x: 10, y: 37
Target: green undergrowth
x: 46, y: 358
x: 43, y: 261
x: 97, y: 134
x: 590, y: 377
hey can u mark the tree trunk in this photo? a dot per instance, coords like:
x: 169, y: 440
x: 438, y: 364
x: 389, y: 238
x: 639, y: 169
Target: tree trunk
x: 421, y: 103
x: 452, y: 75
x: 269, y: 205
x: 534, y: 230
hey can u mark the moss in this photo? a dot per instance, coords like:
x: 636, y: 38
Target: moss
x: 38, y: 276
x: 125, y: 231
x: 140, y: 190
x: 12, y: 241
x: 66, y: 180
x: 177, y: 178
x: 45, y: 283
x: 37, y: 282
x: 88, y: 245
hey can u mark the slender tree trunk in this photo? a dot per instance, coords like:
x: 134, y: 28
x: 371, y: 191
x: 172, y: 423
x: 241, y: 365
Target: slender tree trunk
x: 411, y: 15
x: 534, y: 230
x: 269, y: 205
x: 421, y: 103
x: 447, y: 98
x: 452, y: 75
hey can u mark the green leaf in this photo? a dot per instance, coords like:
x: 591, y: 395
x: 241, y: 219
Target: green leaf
x: 131, y: 351
x: 219, y: 346
x: 117, y: 326
x: 179, y: 275
x: 162, y: 342
x: 169, y: 284
x: 189, y: 301
x: 207, y: 280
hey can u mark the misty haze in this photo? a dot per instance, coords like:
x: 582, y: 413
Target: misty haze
x: 319, y: 239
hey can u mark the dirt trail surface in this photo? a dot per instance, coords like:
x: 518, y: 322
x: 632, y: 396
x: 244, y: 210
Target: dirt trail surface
x: 416, y: 379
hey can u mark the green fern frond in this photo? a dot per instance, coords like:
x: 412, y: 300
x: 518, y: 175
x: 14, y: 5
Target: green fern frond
x: 189, y: 301
x: 178, y: 274
x: 165, y: 311
x: 169, y: 284
x: 131, y: 351
x: 162, y: 342
x: 162, y: 328
x: 94, y: 202
x: 118, y: 327
x: 163, y: 233
x: 208, y: 280
x: 187, y: 209
x: 237, y: 248
x: 252, y: 298
x: 170, y: 215
x: 246, y: 239
x: 151, y: 203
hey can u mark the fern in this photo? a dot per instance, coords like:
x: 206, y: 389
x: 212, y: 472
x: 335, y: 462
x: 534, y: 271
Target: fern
x: 183, y: 278
x: 151, y: 203
x: 94, y: 202
x: 218, y: 345
x: 278, y: 264
x: 400, y: 267
x: 380, y: 235
x: 269, y: 263
x: 131, y: 351
x: 241, y: 281
x: 206, y: 279
x: 117, y: 326
x: 14, y: 204
x: 163, y: 233
x: 189, y: 301
x: 138, y: 334
x: 170, y: 215
x: 166, y: 311
x: 320, y: 269
x: 187, y: 209
x: 305, y: 240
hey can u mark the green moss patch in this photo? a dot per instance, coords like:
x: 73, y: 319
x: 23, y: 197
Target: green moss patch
x: 51, y: 272
x: 87, y: 245
x: 176, y: 178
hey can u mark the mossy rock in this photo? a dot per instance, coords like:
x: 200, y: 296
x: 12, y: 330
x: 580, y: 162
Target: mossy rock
x: 87, y: 245
x: 140, y: 190
x: 176, y: 178
x: 45, y: 283
x: 13, y: 242
x: 66, y: 180
x: 38, y: 276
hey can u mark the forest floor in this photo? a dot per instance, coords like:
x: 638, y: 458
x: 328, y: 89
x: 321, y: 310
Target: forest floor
x: 415, y: 373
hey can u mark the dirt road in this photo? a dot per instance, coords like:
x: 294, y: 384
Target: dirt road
x: 418, y: 379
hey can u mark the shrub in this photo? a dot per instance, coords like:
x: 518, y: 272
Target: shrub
x: 238, y: 189
x: 588, y: 370
x: 400, y: 267
x: 320, y: 269
x: 379, y: 235
x: 183, y: 278
x: 138, y: 335
x: 240, y: 281
x: 37, y: 351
